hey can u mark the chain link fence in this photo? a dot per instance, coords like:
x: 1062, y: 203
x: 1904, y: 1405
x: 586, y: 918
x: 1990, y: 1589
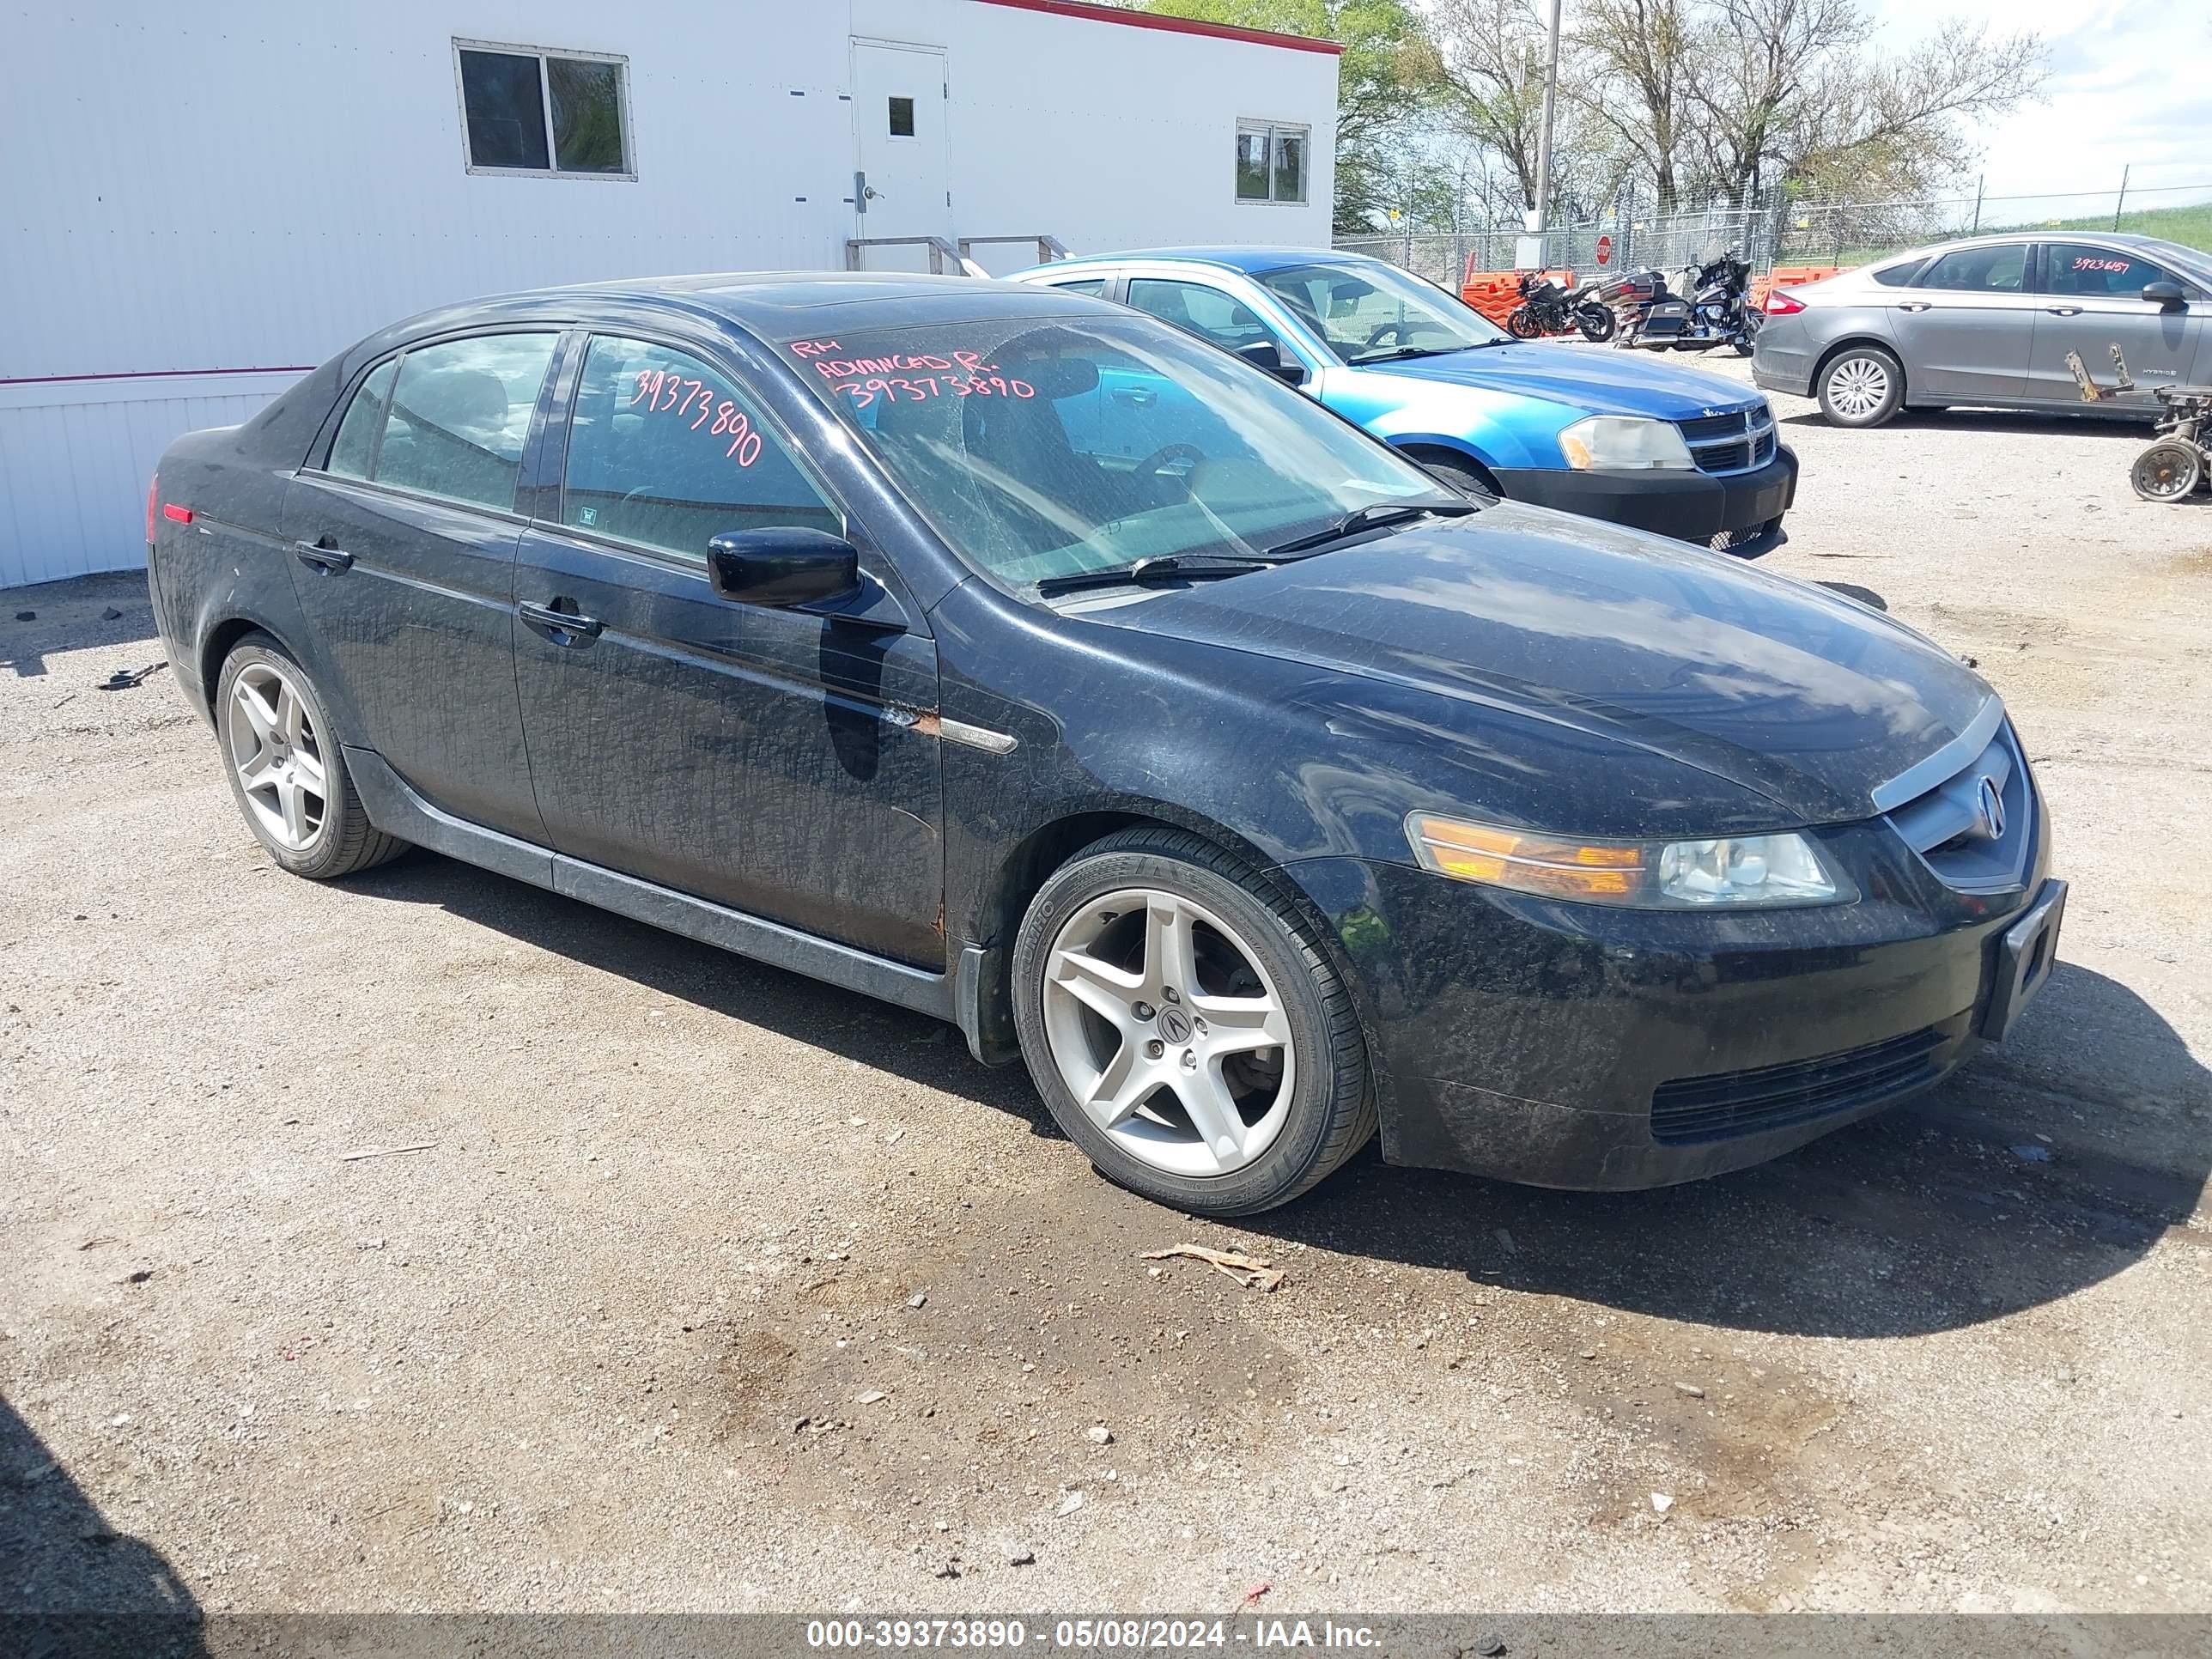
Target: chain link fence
x: 1777, y: 232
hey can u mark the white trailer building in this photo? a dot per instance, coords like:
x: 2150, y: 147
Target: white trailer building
x: 204, y: 200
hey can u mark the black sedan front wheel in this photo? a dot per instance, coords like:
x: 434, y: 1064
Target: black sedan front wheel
x: 1186, y: 1028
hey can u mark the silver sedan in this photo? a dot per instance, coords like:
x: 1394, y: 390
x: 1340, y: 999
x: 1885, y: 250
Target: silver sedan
x: 1989, y: 322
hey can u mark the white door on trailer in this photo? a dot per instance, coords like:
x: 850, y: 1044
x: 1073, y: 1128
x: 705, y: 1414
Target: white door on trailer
x: 898, y: 117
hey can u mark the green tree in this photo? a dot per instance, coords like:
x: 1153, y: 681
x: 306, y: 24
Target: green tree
x: 1387, y: 74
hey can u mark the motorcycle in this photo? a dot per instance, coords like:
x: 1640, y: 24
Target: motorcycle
x: 1628, y: 296
x: 1548, y: 308
x: 1713, y: 309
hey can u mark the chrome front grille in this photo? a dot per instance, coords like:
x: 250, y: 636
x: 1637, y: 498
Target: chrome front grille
x: 1735, y: 442
x: 1972, y: 824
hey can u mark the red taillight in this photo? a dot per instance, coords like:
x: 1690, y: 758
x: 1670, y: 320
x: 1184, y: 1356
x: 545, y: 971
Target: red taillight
x: 1781, y: 303
x: 176, y: 515
x: 153, y: 488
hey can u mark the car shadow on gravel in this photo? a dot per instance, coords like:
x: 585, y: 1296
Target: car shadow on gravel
x: 71, y: 1585
x: 2016, y: 421
x: 846, y: 1023
x: 2037, y: 1170
x: 57, y: 618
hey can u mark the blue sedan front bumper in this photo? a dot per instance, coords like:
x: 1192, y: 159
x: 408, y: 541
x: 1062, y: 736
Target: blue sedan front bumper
x: 1690, y: 507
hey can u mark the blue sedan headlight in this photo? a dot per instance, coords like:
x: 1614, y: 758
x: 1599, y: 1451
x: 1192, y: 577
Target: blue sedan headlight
x: 1624, y: 443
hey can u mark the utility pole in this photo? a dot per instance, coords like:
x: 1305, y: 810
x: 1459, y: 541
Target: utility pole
x: 2123, y: 202
x: 1540, y: 219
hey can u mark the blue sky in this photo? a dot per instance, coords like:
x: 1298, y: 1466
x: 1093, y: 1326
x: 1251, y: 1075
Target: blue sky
x: 2128, y: 85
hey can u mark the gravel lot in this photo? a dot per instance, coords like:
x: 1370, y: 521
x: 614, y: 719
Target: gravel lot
x: 715, y: 1288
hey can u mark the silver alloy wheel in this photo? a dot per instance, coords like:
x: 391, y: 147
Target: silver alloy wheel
x: 278, y: 755
x: 1857, y: 386
x: 1166, y: 1029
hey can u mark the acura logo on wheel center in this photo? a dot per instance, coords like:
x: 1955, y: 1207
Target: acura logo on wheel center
x: 1175, y: 1025
x: 1990, y: 805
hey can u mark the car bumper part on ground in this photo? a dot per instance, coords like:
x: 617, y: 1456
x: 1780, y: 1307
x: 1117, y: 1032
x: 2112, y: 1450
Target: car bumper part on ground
x: 1691, y: 507
x: 1573, y: 1046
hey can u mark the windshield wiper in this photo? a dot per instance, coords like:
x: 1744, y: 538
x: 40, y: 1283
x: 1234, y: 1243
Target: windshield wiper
x: 1194, y: 566
x: 1374, y: 514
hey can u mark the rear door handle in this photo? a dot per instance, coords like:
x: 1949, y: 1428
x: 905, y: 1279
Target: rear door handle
x: 321, y: 557
x: 2064, y: 311
x: 1913, y: 305
x: 559, y: 622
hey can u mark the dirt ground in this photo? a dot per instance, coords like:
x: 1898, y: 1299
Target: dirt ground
x: 711, y: 1287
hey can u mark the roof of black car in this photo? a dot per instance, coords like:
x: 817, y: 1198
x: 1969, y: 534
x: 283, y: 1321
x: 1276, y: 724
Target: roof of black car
x: 766, y: 301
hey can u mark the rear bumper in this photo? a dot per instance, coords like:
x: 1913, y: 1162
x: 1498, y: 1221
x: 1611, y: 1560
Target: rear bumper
x: 1572, y: 1046
x: 1691, y: 507
x: 1784, y: 357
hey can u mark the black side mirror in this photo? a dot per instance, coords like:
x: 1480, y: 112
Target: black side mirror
x: 783, y: 567
x: 2167, y: 296
x: 1263, y: 355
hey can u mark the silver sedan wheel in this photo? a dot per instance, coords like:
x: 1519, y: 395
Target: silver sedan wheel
x: 1857, y: 386
x: 278, y: 755
x: 1169, y: 1033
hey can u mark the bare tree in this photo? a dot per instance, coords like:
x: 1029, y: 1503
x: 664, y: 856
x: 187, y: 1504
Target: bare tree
x: 1792, y: 89
x: 1493, y: 60
x: 1634, y: 57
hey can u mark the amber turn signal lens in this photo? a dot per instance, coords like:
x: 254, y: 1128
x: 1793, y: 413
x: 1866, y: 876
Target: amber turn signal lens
x: 1526, y: 863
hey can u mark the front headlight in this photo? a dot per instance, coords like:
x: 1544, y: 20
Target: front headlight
x: 1623, y: 443
x: 1670, y: 875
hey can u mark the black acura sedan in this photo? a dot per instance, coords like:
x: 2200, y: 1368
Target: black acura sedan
x: 1257, y: 792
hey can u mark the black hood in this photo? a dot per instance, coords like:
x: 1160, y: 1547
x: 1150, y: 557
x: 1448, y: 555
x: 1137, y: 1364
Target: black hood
x: 1778, y: 686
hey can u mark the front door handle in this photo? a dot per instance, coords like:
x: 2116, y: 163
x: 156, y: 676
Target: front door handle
x: 555, y: 621
x: 1141, y: 396
x: 1913, y: 305
x: 322, y: 557
x: 2064, y: 311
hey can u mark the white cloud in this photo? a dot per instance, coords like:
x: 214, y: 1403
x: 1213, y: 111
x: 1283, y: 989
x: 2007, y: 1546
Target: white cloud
x: 2127, y: 89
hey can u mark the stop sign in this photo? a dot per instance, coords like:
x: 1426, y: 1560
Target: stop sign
x: 1605, y: 250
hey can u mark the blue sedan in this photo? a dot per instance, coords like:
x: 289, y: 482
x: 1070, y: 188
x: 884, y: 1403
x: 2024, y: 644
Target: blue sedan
x: 1687, y: 454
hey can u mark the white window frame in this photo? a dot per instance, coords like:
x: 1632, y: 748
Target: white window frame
x: 1247, y: 124
x: 553, y: 169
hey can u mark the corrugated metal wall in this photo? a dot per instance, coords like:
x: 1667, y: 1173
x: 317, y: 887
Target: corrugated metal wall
x: 251, y: 185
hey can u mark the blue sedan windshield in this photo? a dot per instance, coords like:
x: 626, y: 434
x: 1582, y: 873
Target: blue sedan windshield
x: 1368, y: 313
x: 1049, y: 449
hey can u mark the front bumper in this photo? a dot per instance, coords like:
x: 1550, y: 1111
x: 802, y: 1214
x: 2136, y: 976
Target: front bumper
x: 1691, y: 507
x: 1575, y: 1046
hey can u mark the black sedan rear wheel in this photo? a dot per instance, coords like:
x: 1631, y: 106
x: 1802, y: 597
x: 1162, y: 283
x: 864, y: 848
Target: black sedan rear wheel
x: 1187, y: 1029
x: 287, y: 771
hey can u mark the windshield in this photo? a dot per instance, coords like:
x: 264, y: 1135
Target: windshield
x: 1368, y: 313
x: 1041, y: 450
x: 2192, y: 261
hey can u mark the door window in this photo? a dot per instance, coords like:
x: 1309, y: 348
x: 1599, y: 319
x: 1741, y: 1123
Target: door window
x: 354, y: 450
x: 2101, y: 273
x: 1197, y: 309
x: 460, y: 417
x: 665, y: 452
x: 1999, y: 269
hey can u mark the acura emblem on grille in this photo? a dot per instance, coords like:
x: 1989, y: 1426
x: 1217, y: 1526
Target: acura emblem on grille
x: 1990, y: 806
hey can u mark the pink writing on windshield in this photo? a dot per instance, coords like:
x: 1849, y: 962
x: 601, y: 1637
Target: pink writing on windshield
x: 915, y: 388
